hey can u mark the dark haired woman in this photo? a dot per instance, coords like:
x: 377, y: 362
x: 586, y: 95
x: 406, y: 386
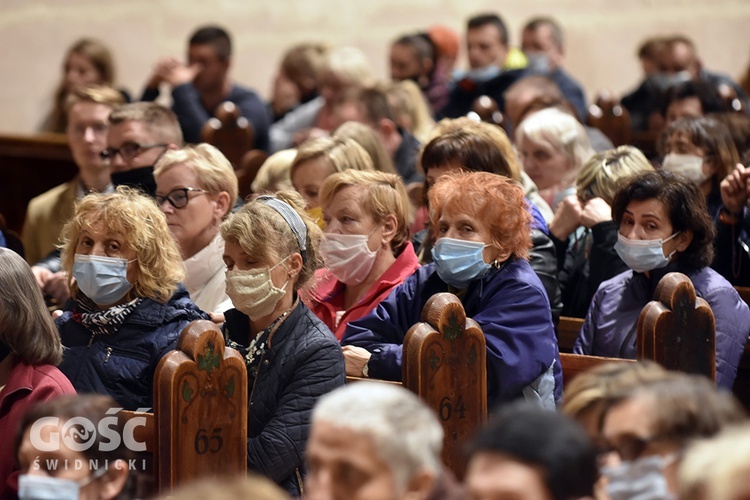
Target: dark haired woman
x: 663, y: 227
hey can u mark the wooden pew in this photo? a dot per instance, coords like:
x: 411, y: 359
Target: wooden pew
x: 231, y: 133
x: 568, y: 329
x: 29, y: 166
x: 199, y: 424
x: 575, y: 364
x: 611, y: 118
x: 678, y: 329
x: 444, y: 362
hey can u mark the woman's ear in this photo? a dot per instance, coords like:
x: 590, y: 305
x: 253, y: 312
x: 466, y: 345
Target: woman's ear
x: 684, y: 239
x: 113, y: 481
x: 390, y: 227
x: 295, y: 265
x: 223, y: 203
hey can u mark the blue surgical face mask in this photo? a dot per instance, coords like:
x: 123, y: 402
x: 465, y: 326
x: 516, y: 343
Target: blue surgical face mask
x: 459, y: 261
x: 46, y: 488
x: 32, y: 487
x: 103, y: 279
x: 643, y: 255
x: 538, y: 63
x: 641, y: 479
x: 663, y: 81
x: 481, y: 75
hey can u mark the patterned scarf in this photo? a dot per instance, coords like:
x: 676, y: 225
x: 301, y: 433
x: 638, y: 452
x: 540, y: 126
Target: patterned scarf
x: 104, y: 322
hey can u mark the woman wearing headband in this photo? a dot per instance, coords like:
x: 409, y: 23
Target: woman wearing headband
x: 292, y: 358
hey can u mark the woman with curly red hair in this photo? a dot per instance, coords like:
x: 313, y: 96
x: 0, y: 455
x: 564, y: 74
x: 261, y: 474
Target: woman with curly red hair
x: 482, y: 233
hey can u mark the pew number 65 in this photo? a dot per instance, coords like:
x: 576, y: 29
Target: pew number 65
x: 204, y: 442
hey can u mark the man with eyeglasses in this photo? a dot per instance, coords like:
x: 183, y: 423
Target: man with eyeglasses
x: 139, y: 134
x: 135, y: 136
x: 201, y: 85
x: 88, y: 110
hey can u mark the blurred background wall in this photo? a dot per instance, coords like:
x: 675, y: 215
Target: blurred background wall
x: 602, y: 36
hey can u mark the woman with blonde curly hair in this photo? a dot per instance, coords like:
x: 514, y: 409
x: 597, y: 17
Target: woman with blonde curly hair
x: 127, y: 305
x: 483, y: 236
x: 292, y: 358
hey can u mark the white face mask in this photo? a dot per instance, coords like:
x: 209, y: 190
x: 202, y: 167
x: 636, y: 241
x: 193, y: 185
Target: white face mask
x: 643, y: 255
x: 253, y: 292
x: 688, y: 166
x: 641, y: 479
x: 348, y: 256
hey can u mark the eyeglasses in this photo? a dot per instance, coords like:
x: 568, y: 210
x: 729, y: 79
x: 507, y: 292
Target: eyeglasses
x: 629, y: 447
x: 178, y: 198
x: 128, y: 151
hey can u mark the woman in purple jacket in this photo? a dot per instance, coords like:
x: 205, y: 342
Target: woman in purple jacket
x: 482, y: 231
x: 664, y: 226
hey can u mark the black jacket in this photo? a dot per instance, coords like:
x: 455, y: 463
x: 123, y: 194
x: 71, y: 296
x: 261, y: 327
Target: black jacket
x: 302, y: 361
x: 465, y: 92
x: 585, y: 264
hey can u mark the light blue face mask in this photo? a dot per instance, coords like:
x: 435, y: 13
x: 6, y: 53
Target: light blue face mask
x: 481, y: 75
x: 641, y: 479
x: 459, y: 261
x: 103, y: 279
x: 643, y: 255
x: 538, y: 63
x: 33, y: 487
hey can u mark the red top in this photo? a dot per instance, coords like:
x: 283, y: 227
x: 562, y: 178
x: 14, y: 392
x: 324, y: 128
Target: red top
x: 26, y: 386
x: 328, y: 297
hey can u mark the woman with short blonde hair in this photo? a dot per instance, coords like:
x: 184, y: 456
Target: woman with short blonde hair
x: 271, y: 253
x: 366, y: 250
x: 128, y: 306
x: 196, y: 188
x: 318, y: 158
x: 553, y: 146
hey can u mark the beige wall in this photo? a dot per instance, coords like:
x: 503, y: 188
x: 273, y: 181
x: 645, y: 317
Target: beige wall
x: 602, y: 36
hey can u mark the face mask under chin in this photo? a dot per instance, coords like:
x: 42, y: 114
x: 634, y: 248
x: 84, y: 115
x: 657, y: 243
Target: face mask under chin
x: 139, y: 178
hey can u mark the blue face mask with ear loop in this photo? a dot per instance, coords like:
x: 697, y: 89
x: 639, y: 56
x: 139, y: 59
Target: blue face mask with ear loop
x: 102, y: 279
x: 35, y: 487
x: 458, y: 262
x: 643, y: 255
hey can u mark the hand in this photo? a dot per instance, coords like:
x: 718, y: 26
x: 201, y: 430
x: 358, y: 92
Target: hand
x: 173, y: 72
x: 57, y: 287
x: 356, y: 358
x: 42, y: 274
x: 217, y: 318
x: 734, y: 189
x: 595, y: 211
x: 567, y: 217
x: 308, y: 133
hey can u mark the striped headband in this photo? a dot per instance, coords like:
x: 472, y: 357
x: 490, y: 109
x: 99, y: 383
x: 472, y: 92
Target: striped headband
x: 292, y: 218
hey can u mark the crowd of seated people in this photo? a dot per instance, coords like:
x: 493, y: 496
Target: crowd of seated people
x: 322, y: 272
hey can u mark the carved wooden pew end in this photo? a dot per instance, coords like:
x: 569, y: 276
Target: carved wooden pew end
x: 199, y: 424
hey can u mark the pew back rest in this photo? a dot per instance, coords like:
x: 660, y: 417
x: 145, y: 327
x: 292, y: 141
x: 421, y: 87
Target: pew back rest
x: 611, y: 118
x: 231, y: 133
x: 200, y: 409
x: 678, y: 329
x: 444, y: 362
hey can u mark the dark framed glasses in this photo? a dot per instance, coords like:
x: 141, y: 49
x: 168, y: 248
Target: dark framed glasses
x: 630, y: 447
x: 128, y: 151
x: 178, y: 198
